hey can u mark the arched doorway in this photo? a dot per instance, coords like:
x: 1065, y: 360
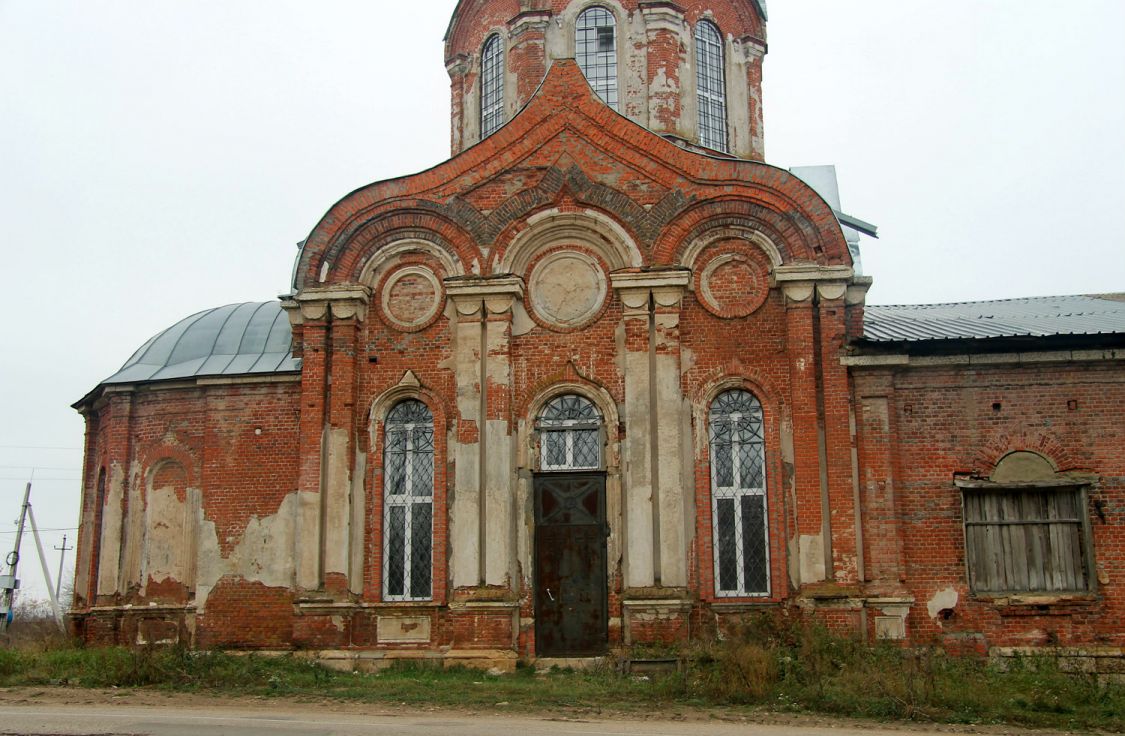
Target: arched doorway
x: 571, y: 606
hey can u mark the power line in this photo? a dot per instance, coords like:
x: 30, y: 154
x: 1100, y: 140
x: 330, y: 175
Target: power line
x: 39, y: 467
x: 52, y: 529
x: 36, y: 447
x: 36, y: 479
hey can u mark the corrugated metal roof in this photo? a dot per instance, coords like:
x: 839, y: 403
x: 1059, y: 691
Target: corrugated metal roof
x: 238, y: 339
x: 1043, y: 316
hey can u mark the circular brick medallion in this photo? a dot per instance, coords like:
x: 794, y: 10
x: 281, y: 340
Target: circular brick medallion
x: 411, y: 297
x: 566, y: 290
x: 732, y: 285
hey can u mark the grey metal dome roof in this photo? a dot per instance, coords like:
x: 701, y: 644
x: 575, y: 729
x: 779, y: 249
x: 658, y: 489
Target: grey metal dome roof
x: 238, y: 339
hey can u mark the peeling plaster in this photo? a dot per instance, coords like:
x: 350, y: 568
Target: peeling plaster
x: 109, y: 564
x: 812, y: 558
x: 262, y: 555
x: 164, y: 549
x: 942, y: 600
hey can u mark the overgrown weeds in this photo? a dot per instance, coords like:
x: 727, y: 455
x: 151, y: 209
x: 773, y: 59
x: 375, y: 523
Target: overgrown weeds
x: 768, y: 663
x: 792, y: 665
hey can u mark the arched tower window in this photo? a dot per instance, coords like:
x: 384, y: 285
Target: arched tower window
x: 711, y: 87
x: 596, y: 51
x: 408, y: 502
x: 491, y: 86
x: 570, y: 435
x: 738, y: 495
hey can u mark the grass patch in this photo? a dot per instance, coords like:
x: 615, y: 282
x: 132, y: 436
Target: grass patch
x: 764, y: 666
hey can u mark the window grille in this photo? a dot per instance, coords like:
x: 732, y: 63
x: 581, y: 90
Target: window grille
x: 491, y: 86
x: 1026, y: 540
x: 711, y: 88
x: 570, y: 434
x: 596, y: 51
x: 408, y: 502
x: 738, y: 496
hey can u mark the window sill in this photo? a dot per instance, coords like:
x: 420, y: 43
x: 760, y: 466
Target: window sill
x: 330, y: 608
x: 1038, y: 604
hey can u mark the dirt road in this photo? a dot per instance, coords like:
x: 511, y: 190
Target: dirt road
x: 77, y: 712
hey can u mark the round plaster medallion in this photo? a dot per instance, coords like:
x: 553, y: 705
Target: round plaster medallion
x: 567, y: 289
x: 733, y: 285
x: 411, y: 297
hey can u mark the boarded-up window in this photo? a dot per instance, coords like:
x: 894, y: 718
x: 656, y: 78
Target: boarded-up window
x: 1026, y: 540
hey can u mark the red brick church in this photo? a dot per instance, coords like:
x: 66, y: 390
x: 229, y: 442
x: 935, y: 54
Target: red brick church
x: 604, y: 377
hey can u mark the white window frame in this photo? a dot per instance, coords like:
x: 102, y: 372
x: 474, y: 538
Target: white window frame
x: 607, y: 86
x: 491, y: 112
x: 711, y: 87
x: 569, y: 428
x: 406, y: 500
x: 736, y: 493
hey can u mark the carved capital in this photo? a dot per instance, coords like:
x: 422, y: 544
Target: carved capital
x: 343, y: 301
x: 661, y: 14
x: 798, y: 291
x: 857, y: 290
x: 470, y: 293
x: 831, y: 290
x: 458, y: 65
x: 529, y: 20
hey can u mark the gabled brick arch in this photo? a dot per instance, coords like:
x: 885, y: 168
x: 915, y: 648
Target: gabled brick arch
x: 796, y: 237
x: 986, y: 457
x: 594, y: 229
x: 532, y: 400
x: 160, y: 454
x: 350, y: 251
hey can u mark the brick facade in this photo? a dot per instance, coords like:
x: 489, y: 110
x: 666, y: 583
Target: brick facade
x: 574, y: 252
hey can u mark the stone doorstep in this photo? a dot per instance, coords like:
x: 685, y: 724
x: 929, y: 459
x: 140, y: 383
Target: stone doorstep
x: 546, y: 664
x: 371, y: 660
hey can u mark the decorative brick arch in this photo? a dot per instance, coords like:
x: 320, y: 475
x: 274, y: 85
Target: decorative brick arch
x: 157, y: 456
x: 795, y: 236
x: 1001, y: 444
x: 350, y: 252
x: 547, y: 228
x: 734, y: 375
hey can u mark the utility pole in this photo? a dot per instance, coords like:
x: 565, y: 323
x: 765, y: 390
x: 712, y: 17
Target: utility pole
x: 46, y: 572
x: 63, y: 549
x: 9, y: 583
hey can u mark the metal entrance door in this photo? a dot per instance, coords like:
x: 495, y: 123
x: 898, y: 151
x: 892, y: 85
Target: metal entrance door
x: 571, y: 616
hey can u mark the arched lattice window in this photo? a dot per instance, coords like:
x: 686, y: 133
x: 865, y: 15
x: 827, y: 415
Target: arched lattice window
x: 738, y: 495
x: 491, y: 86
x: 570, y: 436
x: 408, y: 502
x: 711, y: 87
x: 595, y: 48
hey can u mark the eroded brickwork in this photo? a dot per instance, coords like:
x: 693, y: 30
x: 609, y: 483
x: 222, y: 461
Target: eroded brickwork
x: 575, y: 253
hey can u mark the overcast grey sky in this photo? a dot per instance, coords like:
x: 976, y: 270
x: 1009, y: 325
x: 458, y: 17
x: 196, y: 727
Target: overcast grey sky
x: 159, y: 157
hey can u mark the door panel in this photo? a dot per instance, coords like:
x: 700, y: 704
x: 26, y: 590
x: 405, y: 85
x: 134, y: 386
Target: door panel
x: 571, y: 616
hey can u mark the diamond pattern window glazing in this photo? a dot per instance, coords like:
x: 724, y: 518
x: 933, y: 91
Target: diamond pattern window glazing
x: 711, y: 88
x: 408, y: 497
x: 570, y: 434
x: 595, y: 49
x: 738, y: 496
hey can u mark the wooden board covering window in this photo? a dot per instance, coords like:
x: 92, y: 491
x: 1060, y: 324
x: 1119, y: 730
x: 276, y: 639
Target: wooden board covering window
x: 1026, y: 540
